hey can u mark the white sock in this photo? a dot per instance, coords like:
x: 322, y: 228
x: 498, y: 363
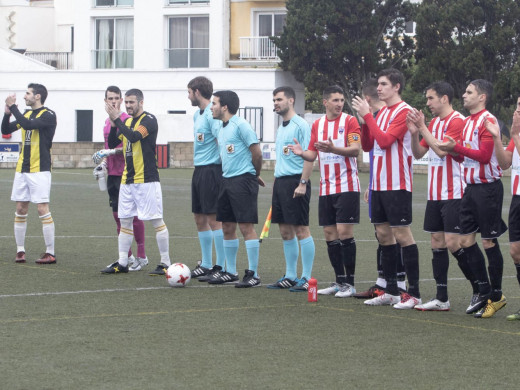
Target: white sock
x: 125, y: 239
x: 381, y: 282
x: 48, y: 232
x: 401, y: 285
x: 20, y: 227
x: 163, y: 240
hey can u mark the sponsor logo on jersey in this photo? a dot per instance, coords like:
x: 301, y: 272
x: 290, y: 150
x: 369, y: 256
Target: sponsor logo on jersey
x: 230, y: 148
x: 28, y: 134
x: 128, y: 152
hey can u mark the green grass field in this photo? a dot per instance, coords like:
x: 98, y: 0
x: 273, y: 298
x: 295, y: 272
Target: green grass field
x: 66, y: 326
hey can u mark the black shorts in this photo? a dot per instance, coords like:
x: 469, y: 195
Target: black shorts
x: 113, y: 185
x: 338, y: 208
x: 442, y: 216
x: 481, y: 210
x: 205, y: 184
x: 394, y: 207
x: 514, y: 219
x: 287, y: 209
x: 238, y: 199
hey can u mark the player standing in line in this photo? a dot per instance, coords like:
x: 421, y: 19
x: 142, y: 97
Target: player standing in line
x: 238, y: 196
x: 292, y: 193
x: 112, y: 161
x: 510, y: 157
x: 32, y: 180
x: 445, y: 187
x: 206, y: 180
x: 481, y: 206
x: 140, y: 193
x: 369, y: 93
x: 335, y: 140
x: 391, y: 203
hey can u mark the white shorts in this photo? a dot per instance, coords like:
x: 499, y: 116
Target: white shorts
x: 32, y: 187
x: 143, y: 200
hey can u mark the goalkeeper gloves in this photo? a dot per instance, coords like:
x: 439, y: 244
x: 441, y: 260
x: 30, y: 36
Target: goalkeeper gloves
x: 100, y: 154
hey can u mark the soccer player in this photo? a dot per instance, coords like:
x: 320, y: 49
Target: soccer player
x: 113, y: 162
x: 445, y: 187
x: 238, y: 195
x: 292, y: 194
x: 335, y: 140
x: 32, y: 180
x: 140, y: 193
x: 510, y: 157
x: 481, y: 206
x: 391, y: 203
x: 206, y: 179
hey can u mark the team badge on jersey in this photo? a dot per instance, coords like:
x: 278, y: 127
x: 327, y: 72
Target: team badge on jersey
x: 200, y: 137
x: 286, y: 150
x: 341, y: 130
x: 230, y: 148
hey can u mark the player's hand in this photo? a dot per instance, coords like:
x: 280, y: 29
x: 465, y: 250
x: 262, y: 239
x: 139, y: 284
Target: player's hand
x: 448, y: 145
x: 415, y: 120
x: 260, y: 181
x: 515, y: 127
x: 7, y: 111
x: 10, y: 100
x: 492, y: 128
x: 100, y: 170
x: 112, y: 112
x: 101, y: 154
x: 365, y: 195
x: 325, y: 146
x: 300, y: 191
x: 296, y: 148
x: 361, y: 106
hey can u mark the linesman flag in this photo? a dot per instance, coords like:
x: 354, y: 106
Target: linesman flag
x: 267, y: 225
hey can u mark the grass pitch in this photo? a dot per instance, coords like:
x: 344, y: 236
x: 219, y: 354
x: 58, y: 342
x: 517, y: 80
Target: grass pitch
x: 66, y: 326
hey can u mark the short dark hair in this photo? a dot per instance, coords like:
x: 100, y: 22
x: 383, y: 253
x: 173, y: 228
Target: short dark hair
x: 113, y: 89
x: 287, y: 91
x: 483, y: 87
x: 229, y: 99
x: 203, y: 85
x: 39, y: 89
x: 395, y: 77
x: 135, y: 92
x: 369, y: 88
x: 442, y: 88
x: 332, y: 89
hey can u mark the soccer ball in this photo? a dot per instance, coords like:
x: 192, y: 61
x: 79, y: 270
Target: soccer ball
x: 178, y: 275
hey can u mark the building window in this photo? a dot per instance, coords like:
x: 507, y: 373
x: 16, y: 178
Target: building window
x: 188, y: 42
x: 270, y: 24
x: 114, y: 3
x: 170, y: 2
x: 114, y: 43
x: 84, y: 125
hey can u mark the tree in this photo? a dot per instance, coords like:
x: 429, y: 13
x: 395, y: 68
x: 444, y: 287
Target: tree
x: 462, y: 40
x: 343, y: 42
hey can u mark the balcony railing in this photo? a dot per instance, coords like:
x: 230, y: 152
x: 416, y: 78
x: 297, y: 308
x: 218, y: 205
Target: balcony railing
x: 255, y: 116
x: 258, y: 48
x: 59, y: 60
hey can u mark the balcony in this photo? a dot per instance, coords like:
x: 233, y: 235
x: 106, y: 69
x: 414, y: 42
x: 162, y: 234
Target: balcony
x: 257, y: 52
x: 58, y: 60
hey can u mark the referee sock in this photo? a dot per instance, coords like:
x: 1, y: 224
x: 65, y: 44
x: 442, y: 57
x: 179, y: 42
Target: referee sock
x: 206, y: 247
x: 477, y: 264
x: 163, y: 240
x: 440, y: 265
x: 20, y: 227
x: 218, y: 240
x: 291, y: 252
x: 48, y: 232
x: 411, y: 264
x: 231, y: 250
x: 253, y: 252
x: 348, y: 256
x: 125, y: 239
x: 496, y: 270
x: 466, y: 269
x: 334, y: 251
x: 389, y: 258
x: 308, y: 252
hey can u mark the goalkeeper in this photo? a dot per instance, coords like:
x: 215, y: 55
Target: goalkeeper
x: 111, y: 161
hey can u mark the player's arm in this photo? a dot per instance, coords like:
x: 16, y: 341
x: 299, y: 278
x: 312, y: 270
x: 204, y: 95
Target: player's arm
x: 396, y: 130
x: 8, y: 127
x: 482, y: 155
x: 113, y: 138
x: 504, y: 156
x: 131, y: 135
x: 414, y: 123
x: 367, y: 141
x: 45, y: 121
x: 352, y: 147
x: 256, y: 159
x: 309, y: 153
x: 301, y: 190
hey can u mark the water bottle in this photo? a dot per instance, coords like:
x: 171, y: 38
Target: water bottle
x: 312, y: 291
x: 102, y: 181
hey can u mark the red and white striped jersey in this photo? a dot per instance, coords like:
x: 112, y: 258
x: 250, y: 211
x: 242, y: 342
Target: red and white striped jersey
x: 515, y: 168
x: 445, y: 174
x: 337, y: 173
x: 393, y: 165
x: 472, y: 135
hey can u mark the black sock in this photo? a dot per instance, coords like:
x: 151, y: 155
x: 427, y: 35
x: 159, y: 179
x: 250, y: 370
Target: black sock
x: 411, y: 264
x: 379, y: 266
x: 465, y: 268
x: 401, y: 273
x: 348, y: 255
x: 496, y: 270
x: 389, y: 258
x: 517, y: 266
x: 477, y: 263
x: 334, y: 250
x: 440, y: 265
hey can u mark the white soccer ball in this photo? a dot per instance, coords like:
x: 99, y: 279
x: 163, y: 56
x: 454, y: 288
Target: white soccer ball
x: 178, y: 275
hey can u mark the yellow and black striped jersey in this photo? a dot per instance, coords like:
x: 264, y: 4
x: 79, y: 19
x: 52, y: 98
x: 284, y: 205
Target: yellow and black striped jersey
x: 38, y: 128
x: 139, y: 136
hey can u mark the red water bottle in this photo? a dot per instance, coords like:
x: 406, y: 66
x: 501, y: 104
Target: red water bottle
x: 312, y: 291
